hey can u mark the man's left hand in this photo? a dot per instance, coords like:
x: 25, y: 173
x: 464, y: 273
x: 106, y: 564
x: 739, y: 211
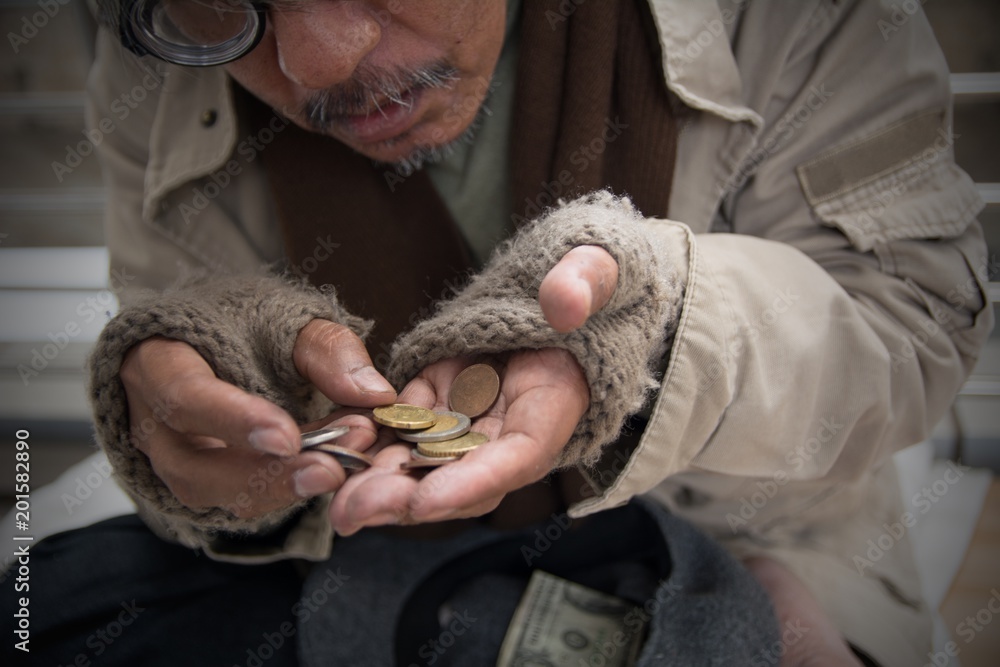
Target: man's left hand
x: 543, y: 394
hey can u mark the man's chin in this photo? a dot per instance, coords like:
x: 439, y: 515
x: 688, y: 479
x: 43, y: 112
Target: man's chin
x: 407, y: 157
x: 399, y: 149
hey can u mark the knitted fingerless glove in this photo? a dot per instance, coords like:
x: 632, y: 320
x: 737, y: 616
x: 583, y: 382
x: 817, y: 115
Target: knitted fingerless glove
x: 618, y: 347
x: 246, y: 328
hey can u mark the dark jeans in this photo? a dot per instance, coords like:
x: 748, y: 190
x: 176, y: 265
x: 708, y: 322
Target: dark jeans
x: 115, y: 594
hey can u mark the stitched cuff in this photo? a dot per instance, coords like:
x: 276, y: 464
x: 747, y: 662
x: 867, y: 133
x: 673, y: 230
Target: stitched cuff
x: 618, y: 348
x: 246, y: 328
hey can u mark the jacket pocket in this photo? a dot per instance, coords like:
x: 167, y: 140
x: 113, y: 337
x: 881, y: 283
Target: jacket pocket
x: 900, y: 183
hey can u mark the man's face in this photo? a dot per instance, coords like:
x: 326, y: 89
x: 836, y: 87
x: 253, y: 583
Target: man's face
x: 385, y: 77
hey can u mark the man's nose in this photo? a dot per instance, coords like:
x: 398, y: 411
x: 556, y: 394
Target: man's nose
x: 321, y: 43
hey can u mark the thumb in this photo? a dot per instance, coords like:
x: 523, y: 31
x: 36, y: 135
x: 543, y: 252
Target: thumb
x: 577, y: 287
x: 334, y: 359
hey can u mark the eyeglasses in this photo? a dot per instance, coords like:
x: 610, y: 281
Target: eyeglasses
x: 196, y: 33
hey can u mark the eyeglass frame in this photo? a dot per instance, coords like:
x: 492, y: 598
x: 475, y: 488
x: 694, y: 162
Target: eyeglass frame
x: 128, y: 10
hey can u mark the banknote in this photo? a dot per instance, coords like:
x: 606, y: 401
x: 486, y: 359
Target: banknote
x: 559, y: 622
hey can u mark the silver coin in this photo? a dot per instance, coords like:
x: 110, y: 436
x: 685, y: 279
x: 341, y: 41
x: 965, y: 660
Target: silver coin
x: 442, y: 430
x: 318, y: 437
x: 347, y: 458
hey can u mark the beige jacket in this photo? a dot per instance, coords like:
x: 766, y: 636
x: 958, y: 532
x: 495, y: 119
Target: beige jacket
x: 835, y: 272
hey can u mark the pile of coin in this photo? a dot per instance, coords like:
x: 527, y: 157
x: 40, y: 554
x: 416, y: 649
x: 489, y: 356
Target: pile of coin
x: 440, y: 436
x: 444, y: 436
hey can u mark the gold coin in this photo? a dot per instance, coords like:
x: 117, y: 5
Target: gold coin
x: 461, y: 445
x: 474, y: 390
x: 401, y: 415
x: 449, y: 425
x: 418, y: 460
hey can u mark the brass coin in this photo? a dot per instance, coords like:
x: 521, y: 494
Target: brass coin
x: 401, y: 415
x: 475, y: 390
x: 449, y: 425
x: 461, y: 445
x: 318, y: 437
x: 348, y: 458
x: 419, y: 460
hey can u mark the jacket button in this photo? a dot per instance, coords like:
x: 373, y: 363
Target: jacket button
x: 209, y: 117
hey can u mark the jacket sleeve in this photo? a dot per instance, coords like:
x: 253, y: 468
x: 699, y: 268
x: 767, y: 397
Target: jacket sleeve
x: 133, y: 111
x: 157, y: 229
x: 848, y: 305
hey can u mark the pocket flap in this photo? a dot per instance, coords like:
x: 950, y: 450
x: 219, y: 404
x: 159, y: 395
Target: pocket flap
x: 900, y: 183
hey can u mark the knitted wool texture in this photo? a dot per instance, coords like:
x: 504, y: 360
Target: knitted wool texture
x: 246, y: 328
x: 618, y: 348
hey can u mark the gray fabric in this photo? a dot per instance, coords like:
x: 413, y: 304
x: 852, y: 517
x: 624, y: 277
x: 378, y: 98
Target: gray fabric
x: 619, y: 347
x: 245, y: 327
x: 706, y: 608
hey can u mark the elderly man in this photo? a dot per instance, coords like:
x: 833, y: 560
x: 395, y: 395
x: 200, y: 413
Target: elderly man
x: 736, y: 230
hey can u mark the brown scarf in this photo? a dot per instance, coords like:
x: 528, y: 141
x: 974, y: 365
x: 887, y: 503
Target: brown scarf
x: 591, y: 112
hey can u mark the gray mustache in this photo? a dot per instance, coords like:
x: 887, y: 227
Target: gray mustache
x: 370, y: 89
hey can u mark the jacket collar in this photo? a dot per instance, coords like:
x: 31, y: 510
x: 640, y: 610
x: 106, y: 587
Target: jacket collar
x: 698, y: 66
x: 698, y: 62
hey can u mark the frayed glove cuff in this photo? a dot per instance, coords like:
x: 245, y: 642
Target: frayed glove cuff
x: 246, y: 328
x: 618, y: 348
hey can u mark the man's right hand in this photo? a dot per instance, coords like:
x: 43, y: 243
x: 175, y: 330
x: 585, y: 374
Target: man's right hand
x: 215, y: 445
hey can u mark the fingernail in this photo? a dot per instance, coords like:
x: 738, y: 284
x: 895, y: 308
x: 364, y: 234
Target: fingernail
x: 367, y: 379
x: 313, y: 481
x: 272, y: 440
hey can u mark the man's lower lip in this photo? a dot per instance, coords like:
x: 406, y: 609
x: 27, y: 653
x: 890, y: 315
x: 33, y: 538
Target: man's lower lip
x: 392, y: 120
